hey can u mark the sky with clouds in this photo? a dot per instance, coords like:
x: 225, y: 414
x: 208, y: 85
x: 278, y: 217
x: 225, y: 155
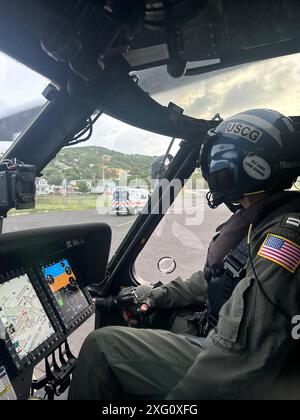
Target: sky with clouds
x: 271, y: 84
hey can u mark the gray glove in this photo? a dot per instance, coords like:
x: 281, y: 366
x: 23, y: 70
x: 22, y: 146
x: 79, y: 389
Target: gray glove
x: 136, y: 300
x: 143, y: 296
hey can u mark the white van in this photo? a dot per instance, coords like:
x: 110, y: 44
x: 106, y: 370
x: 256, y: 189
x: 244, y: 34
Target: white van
x: 127, y: 200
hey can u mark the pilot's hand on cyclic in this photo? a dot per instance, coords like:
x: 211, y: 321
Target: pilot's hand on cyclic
x: 135, y: 303
x: 133, y: 318
x: 136, y: 313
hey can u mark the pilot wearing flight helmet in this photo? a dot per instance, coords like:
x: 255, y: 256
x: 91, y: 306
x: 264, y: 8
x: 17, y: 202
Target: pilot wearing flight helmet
x: 250, y: 285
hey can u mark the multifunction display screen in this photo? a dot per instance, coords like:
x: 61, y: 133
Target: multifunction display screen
x: 23, y: 316
x: 66, y: 290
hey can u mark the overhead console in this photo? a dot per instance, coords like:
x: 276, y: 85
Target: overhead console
x: 44, y: 276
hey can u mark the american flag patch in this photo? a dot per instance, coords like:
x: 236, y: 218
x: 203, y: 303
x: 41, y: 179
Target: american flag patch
x: 281, y: 251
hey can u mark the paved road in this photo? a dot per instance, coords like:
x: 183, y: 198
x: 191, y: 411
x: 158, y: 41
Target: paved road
x: 120, y: 225
x: 184, y: 237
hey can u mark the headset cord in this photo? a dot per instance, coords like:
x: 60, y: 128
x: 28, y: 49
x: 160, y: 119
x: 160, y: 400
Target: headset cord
x: 287, y: 316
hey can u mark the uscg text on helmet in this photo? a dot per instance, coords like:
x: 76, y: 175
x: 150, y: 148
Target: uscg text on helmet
x: 242, y: 130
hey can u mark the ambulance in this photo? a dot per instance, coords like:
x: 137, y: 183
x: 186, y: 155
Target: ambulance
x: 127, y: 200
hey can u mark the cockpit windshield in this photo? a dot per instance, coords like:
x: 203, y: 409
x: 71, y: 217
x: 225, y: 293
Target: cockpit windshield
x: 21, y: 99
x: 82, y: 182
x: 263, y: 84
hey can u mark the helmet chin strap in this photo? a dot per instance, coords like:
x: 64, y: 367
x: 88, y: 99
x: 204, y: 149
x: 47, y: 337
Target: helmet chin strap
x: 214, y: 204
x: 211, y: 202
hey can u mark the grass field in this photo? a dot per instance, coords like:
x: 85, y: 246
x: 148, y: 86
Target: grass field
x: 52, y: 203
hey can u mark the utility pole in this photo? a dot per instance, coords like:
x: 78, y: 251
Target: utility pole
x: 103, y: 177
x: 105, y: 159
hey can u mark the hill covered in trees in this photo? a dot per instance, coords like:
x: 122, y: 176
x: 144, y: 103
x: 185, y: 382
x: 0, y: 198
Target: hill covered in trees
x: 87, y: 163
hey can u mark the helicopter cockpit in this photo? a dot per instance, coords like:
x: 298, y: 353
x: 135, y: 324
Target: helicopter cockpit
x: 93, y: 53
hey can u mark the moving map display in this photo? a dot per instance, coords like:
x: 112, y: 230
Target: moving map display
x: 23, y: 316
x: 66, y: 290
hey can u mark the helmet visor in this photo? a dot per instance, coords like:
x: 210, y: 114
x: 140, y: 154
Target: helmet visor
x: 220, y: 181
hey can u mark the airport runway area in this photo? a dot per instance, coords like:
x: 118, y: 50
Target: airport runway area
x: 202, y: 222
x: 184, y: 237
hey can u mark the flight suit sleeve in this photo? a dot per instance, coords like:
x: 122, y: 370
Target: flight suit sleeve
x: 180, y: 293
x: 253, y: 341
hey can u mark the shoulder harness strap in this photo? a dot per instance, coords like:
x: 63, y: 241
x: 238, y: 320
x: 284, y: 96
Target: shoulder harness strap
x: 235, y: 263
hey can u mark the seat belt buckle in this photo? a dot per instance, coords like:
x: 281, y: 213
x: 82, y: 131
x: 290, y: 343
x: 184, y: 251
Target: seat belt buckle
x: 234, y: 267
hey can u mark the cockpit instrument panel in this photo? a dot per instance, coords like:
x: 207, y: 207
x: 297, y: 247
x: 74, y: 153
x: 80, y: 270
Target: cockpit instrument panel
x: 44, y: 296
x: 23, y: 316
x: 71, y: 301
x: 25, y: 328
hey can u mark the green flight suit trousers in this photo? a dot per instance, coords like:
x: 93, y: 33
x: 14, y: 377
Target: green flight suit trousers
x: 122, y: 363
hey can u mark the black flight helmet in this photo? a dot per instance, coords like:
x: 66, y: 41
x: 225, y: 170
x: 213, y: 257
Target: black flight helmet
x: 252, y: 152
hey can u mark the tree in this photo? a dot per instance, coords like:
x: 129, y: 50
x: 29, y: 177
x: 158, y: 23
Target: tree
x: 71, y: 174
x: 82, y: 187
x: 53, y: 176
